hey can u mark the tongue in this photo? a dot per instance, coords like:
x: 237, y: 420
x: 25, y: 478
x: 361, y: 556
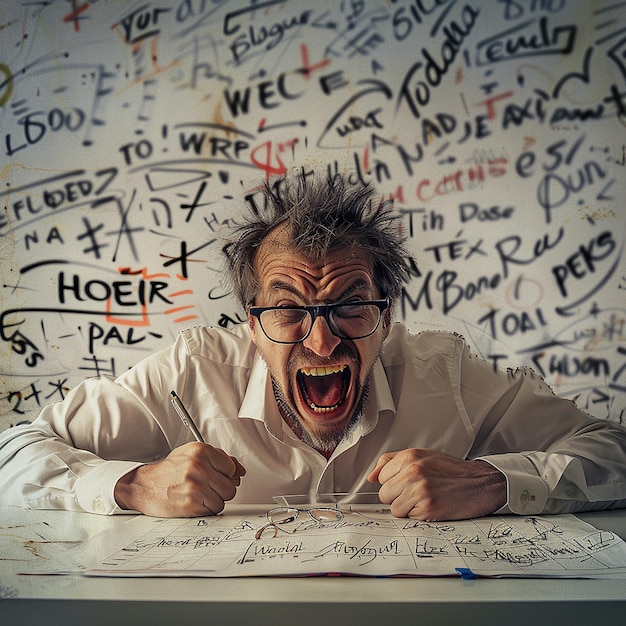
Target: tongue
x: 324, y: 390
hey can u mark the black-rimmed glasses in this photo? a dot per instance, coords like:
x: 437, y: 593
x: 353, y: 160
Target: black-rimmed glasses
x: 281, y: 516
x: 347, y: 320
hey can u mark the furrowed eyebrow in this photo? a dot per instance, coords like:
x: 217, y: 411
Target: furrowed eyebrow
x: 357, y: 286
x: 282, y: 286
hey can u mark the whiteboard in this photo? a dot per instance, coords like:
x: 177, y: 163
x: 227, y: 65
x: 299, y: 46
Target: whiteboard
x: 134, y: 134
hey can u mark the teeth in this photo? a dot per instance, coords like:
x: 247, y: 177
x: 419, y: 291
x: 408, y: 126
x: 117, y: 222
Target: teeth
x: 323, y: 371
x: 322, y: 409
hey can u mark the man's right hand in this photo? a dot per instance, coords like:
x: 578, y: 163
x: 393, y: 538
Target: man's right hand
x: 192, y: 480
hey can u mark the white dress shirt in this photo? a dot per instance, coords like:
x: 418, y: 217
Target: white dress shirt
x: 427, y: 391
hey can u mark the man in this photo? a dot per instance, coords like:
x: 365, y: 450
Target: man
x: 319, y: 392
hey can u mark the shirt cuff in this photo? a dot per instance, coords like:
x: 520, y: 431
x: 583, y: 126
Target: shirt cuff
x: 95, y: 490
x: 526, y: 492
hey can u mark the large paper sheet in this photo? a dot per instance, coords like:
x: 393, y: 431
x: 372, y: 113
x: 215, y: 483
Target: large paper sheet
x: 366, y: 543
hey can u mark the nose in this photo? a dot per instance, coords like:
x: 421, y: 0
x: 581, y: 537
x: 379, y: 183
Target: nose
x: 321, y: 339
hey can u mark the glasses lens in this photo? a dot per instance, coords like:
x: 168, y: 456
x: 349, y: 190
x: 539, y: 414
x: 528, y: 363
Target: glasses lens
x: 353, y: 321
x: 285, y: 325
x: 326, y: 515
x: 283, y: 515
x: 348, y: 321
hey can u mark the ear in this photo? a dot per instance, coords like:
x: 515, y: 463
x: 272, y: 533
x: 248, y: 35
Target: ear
x: 252, y: 326
x: 386, y: 320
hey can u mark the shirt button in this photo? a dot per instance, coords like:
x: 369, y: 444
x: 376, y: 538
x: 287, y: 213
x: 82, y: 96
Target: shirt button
x: 98, y: 506
x: 570, y: 490
x: 524, y: 497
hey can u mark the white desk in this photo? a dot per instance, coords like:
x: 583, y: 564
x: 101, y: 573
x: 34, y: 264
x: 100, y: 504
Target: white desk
x: 70, y: 600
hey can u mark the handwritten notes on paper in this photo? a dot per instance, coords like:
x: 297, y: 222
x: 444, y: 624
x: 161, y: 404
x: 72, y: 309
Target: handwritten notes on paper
x: 362, y: 543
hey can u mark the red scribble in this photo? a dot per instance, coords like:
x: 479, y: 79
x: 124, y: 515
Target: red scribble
x: 461, y: 179
x: 73, y: 16
x: 124, y: 321
x: 488, y: 102
x: 366, y: 159
x: 145, y: 320
x: 177, y: 309
x: 143, y: 271
x: 398, y: 194
x: 184, y: 292
x: 271, y: 163
x: 156, y: 68
x: 308, y: 69
x: 185, y: 319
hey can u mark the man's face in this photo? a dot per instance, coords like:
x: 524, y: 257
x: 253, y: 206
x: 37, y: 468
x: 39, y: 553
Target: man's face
x: 321, y: 381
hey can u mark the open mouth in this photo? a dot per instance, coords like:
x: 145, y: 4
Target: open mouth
x: 324, y: 389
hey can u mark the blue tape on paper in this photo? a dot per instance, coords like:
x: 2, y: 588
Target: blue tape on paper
x: 466, y: 573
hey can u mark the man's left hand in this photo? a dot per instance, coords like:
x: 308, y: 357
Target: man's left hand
x: 429, y: 485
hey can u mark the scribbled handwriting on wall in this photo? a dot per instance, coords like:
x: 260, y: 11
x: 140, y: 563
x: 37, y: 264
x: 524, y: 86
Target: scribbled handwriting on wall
x: 134, y: 136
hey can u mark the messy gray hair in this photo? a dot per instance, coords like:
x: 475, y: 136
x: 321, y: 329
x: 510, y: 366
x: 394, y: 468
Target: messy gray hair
x: 322, y: 213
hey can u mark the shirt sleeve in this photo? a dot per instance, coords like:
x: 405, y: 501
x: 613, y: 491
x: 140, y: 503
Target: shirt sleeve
x: 73, y: 454
x: 556, y: 458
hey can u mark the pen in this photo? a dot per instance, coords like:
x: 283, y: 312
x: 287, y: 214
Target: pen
x: 185, y: 417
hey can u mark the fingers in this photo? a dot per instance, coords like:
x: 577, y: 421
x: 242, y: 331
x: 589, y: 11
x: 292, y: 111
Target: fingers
x: 223, y: 463
x: 405, y: 501
x: 218, y: 474
x: 389, y: 473
x: 430, y: 485
x: 383, y: 460
x: 208, y: 478
x: 194, y: 479
x: 404, y: 481
x: 240, y: 470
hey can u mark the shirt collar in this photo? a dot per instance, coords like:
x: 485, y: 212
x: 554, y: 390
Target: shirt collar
x: 379, y: 401
x: 258, y: 401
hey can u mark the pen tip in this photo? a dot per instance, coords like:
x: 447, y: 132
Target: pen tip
x: 173, y: 394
